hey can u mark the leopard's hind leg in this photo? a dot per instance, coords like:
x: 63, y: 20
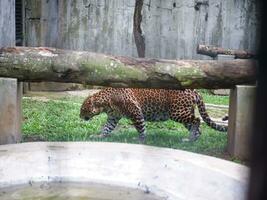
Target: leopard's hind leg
x: 186, y: 116
x: 193, y: 128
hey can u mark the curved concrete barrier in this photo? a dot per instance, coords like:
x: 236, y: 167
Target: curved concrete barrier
x: 172, y: 174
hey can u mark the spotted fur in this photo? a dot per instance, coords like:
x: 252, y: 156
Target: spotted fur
x: 142, y: 105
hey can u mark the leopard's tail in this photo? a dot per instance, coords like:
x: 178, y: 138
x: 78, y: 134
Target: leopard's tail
x: 205, y: 116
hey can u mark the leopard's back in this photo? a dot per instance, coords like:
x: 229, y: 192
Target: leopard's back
x: 153, y: 103
x: 159, y: 104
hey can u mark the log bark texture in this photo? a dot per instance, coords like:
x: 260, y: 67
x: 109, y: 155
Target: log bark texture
x: 49, y: 64
x: 213, y: 51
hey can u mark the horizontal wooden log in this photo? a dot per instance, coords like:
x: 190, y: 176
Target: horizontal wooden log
x: 50, y: 64
x: 213, y: 51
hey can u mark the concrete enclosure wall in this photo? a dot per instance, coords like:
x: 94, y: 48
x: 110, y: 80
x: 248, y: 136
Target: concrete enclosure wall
x: 171, y: 28
x: 7, y: 23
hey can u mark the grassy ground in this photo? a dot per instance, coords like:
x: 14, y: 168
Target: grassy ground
x: 214, y: 99
x: 58, y: 120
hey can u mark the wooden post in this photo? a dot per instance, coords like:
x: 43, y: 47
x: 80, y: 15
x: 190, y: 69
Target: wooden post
x: 241, y: 115
x: 10, y: 110
x: 241, y: 118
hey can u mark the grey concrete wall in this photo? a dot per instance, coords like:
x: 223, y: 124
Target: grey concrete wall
x: 100, y: 25
x: 172, y: 28
x: 7, y: 23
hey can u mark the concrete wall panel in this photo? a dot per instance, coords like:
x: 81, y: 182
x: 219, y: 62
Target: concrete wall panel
x: 7, y: 23
x: 172, y: 28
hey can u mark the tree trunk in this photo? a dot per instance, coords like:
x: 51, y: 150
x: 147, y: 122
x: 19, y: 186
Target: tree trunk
x: 214, y: 51
x: 137, y: 31
x: 50, y: 64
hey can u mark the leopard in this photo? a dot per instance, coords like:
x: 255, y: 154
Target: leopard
x: 152, y: 105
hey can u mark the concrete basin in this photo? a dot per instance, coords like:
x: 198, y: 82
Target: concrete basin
x: 167, y: 173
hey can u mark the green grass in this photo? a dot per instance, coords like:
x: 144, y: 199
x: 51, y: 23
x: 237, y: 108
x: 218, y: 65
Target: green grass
x: 214, y: 99
x: 58, y: 120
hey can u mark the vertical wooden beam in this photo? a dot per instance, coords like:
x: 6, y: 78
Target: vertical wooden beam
x: 241, y: 118
x: 10, y: 110
x: 241, y: 115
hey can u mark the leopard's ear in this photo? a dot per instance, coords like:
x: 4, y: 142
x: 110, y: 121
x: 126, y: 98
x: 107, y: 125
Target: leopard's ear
x: 94, y: 109
x: 117, y: 99
x: 97, y: 109
x: 95, y: 104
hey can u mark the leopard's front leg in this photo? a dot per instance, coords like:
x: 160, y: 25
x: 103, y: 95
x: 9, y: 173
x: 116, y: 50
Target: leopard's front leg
x: 135, y: 114
x: 127, y: 105
x: 139, y: 124
x: 110, y: 125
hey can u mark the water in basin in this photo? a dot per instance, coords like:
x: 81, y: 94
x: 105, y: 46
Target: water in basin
x: 73, y: 191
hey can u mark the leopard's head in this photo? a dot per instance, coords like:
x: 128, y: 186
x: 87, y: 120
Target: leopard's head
x: 90, y: 108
